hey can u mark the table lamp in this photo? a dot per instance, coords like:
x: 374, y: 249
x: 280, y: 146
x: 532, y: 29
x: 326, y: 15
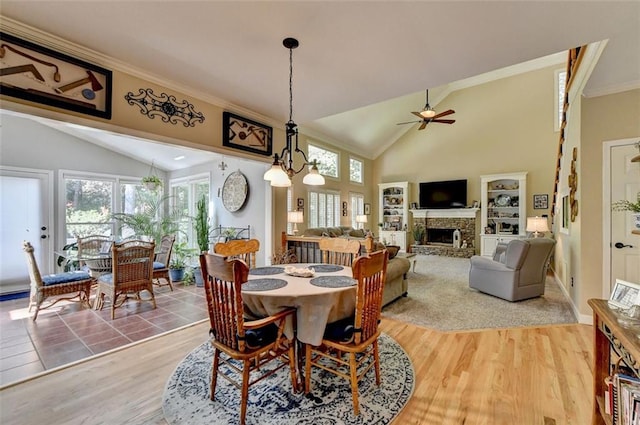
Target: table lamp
x: 295, y: 217
x: 537, y: 225
x: 361, y: 218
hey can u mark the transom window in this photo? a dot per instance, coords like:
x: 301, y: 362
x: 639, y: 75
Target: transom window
x: 328, y: 161
x: 356, y: 168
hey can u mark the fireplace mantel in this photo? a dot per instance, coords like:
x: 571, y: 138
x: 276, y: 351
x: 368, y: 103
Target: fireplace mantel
x: 446, y: 213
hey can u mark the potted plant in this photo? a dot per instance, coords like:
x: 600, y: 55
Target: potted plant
x: 153, y: 217
x: 202, y: 234
x: 418, y: 234
x: 180, y: 256
x: 626, y: 205
x: 152, y: 182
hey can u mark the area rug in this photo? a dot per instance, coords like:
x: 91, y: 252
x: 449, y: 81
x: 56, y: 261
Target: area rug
x: 439, y: 297
x: 271, y: 401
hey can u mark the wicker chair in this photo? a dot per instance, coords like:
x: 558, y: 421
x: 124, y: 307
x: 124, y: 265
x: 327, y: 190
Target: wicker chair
x: 93, y: 246
x: 339, y: 251
x: 77, y: 283
x: 357, y: 335
x: 252, y: 343
x: 241, y: 249
x: 131, y: 273
x: 161, y: 262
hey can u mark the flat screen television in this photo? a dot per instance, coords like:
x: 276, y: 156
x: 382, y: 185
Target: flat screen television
x: 443, y: 194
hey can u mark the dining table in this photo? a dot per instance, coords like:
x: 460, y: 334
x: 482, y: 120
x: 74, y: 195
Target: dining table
x: 325, y: 297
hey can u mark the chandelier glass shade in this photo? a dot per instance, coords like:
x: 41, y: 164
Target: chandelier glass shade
x: 282, y: 170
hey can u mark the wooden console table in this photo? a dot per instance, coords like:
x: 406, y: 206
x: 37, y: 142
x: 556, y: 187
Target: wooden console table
x: 609, y: 336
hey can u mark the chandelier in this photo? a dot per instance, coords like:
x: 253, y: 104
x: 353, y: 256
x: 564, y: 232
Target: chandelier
x: 282, y: 170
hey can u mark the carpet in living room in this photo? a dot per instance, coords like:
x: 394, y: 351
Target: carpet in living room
x: 440, y: 298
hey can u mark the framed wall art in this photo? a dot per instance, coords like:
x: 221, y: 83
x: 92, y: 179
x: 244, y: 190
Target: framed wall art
x: 41, y: 75
x: 245, y: 134
x: 540, y: 202
x: 367, y: 209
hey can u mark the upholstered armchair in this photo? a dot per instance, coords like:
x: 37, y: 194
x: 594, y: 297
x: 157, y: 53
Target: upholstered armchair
x: 516, y: 272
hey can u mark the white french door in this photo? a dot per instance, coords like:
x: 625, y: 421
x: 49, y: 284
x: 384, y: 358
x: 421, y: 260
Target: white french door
x: 25, y: 214
x: 622, y: 247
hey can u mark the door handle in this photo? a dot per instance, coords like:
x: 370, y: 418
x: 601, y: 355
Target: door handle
x: 620, y: 245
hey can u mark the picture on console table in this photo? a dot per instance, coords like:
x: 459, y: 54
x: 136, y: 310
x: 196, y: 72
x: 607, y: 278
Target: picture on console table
x: 625, y: 294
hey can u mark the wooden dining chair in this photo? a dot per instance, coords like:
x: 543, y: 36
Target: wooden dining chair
x: 161, y: 262
x: 75, y: 283
x: 252, y: 343
x: 354, y: 338
x: 339, y: 251
x: 241, y: 249
x: 131, y: 273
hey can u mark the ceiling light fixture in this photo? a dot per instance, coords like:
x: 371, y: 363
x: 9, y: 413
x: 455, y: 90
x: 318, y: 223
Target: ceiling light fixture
x: 282, y: 169
x: 427, y: 111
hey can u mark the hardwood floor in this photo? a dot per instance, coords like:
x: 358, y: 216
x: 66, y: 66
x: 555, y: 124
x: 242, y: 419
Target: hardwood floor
x: 524, y: 376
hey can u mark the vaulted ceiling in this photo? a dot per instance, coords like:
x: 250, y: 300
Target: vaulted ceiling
x: 361, y: 67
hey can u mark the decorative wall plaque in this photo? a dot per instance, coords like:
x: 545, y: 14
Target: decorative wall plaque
x: 235, y: 191
x: 164, y: 106
x: 44, y: 76
x: 245, y: 134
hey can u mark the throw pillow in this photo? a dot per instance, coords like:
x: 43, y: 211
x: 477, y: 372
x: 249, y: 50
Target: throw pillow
x: 356, y: 233
x: 393, y: 250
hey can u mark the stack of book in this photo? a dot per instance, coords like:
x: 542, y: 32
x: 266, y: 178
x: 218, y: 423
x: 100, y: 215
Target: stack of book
x: 622, y: 399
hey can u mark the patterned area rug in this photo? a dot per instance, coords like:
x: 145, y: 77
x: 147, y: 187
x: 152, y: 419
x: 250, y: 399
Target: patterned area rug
x: 440, y: 298
x: 271, y: 401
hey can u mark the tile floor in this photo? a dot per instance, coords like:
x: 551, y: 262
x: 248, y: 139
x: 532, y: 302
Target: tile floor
x: 67, y: 332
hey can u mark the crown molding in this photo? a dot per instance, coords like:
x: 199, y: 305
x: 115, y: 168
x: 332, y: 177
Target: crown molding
x: 613, y: 89
x: 58, y: 44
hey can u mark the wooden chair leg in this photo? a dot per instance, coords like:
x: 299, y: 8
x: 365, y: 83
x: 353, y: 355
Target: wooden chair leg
x: 292, y: 366
x: 244, y: 395
x: 376, y: 359
x: 353, y: 367
x: 214, y: 372
x: 307, y: 368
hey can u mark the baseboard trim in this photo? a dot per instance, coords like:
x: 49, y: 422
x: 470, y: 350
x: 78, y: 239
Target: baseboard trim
x: 584, y: 319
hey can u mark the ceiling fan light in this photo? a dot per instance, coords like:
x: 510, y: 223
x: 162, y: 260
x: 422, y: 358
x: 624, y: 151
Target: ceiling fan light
x: 314, y: 178
x: 428, y: 112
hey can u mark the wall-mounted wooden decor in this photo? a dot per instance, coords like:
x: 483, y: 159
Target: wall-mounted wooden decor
x: 245, y: 134
x: 573, y: 186
x: 164, y: 106
x: 47, y: 77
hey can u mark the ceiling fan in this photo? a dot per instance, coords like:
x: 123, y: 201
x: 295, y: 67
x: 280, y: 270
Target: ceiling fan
x: 428, y: 114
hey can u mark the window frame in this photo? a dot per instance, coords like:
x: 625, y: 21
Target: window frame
x: 559, y: 95
x: 353, y: 158
x: 320, y: 168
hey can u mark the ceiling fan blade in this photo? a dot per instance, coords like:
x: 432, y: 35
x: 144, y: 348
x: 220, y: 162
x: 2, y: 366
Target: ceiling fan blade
x: 445, y: 113
x: 423, y: 125
x: 417, y: 114
x: 444, y: 121
x: 408, y: 122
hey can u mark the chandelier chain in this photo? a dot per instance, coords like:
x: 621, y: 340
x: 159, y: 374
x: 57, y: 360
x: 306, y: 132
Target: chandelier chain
x: 290, y: 84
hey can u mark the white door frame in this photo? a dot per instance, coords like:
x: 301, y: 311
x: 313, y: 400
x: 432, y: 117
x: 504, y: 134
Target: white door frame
x: 47, y: 175
x: 606, y: 210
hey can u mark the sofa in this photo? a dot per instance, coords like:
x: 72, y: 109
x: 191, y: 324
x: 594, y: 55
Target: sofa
x: 306, y: 250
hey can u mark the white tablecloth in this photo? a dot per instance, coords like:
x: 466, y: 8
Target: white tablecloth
x: 316, y: 306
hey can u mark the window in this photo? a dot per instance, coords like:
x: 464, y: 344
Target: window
x: 88, y: 206
x: 356, y: 200
x: 559, y: 89
x: 185, y: 193
x: 356, y: 171
x: 324, y: 209
x: 328, y: 161
x: 290, y: 207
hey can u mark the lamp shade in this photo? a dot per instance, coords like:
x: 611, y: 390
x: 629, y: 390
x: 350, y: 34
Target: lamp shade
x: 361, y: 218
x: 313, y: 178
x: 537, y: 225
x: 295, y: 217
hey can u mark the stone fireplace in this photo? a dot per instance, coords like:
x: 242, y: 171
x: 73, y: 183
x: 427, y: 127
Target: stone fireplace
x: 440, y: 225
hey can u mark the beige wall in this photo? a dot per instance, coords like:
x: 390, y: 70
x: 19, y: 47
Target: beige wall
x: 502, y: 126
x: 603, y: 118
